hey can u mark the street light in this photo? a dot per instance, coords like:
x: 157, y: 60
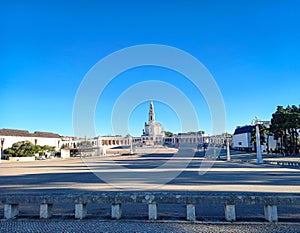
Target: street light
x: 2, y: 145
x: 227, y: 148
x: 259, y: 159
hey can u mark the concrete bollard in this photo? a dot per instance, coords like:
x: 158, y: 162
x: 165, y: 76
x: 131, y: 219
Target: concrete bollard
x: 230, y: 212
x: 116, y: 211
x: 45, y: 210
x: 80, y: 210
x: 11, y: 210
x: 271, y: 213
x: 190, y: 212
x: 152, y: 211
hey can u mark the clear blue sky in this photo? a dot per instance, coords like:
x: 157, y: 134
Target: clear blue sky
x: 252, y: 49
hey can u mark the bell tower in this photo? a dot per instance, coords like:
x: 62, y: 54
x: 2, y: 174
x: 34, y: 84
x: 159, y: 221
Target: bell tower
x: 151, y: 113
x: 153, y: 132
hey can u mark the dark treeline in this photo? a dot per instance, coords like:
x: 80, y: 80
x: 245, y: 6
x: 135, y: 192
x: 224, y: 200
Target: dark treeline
x: 285, y: 125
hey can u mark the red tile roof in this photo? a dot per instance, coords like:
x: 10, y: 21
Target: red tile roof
x: 25, y: 133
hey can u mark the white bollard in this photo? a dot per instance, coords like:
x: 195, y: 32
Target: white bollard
x: 45, y: 210
x: 152, y: 211
x: 230, y: 212
x: 11, y: 210
x: 80, y: 210
x: 271, y: 213
x: 116, y: 211
x: 190, y: 212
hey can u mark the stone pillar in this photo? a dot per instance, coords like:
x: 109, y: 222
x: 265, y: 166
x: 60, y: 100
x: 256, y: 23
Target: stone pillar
x: 104, y: 152
x: 230, y: 212
x: 152, y: 211
x: 11, y: 210
x: 259, y: 158
x: 228, y: 150
x: 271, y: 213
x: 190, y: 212
x: 80, y: 210
x: 45, y: 210
x: 116, y: 211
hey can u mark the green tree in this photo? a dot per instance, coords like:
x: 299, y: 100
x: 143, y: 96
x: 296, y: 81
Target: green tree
x: 85, y: 144
x: 26, y: 148
x: 48, y: 148
x: 285, y: 124
x: 262, y: 132
x: 168, y: 134
x: 22, y: 149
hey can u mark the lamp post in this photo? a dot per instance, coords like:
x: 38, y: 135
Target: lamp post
x: 259, y: 159
x: 98, y: 146
x: 131, y: 148
x: 2, y: 145
x: 228, y: 149
x: 214, y: 144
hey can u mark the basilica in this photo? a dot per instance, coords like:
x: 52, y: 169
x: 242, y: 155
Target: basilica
x: 153, y: 136
x: 153, y: 132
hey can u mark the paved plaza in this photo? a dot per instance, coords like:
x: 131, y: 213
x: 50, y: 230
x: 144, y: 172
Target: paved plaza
x: 78, y: 175
x: 140, y: 226
x: 81, y: 175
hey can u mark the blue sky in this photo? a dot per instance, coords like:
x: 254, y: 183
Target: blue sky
x: 251, y: 48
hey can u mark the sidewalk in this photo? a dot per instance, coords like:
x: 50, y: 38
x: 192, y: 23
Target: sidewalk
x: 272, y: 159
x: 49, y: 226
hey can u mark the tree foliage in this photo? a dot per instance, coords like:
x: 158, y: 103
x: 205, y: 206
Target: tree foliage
x: 285, y: 125
x: 85, y: 144
x: 169, y: 134
x: 193, y: 132
x: 262, y: 132
x: 26, y: 148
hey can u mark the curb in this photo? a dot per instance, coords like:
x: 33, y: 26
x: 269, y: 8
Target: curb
x: 153, y: 221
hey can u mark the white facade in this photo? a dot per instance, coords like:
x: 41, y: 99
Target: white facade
x: 69, y: 142
x: 272, y: 143
x: 153, y: 132
x: 192, y: 138
x: 242, y: 140
x: 113, y: 141
x: 9, y: 136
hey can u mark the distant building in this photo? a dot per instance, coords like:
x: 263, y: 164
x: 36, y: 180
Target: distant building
x: 241, y: 139
x: 69, y: 142
x: 10, y: 136
x: 153, y: 133
x: 190, y: 138
x: 113, y: 141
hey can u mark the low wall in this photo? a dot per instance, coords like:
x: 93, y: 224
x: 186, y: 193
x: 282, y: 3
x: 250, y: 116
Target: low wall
x: 21, y: 159
x: 152, y: 199
x: 283, y: 163
x: 65, y: 153
x: 154, y: 150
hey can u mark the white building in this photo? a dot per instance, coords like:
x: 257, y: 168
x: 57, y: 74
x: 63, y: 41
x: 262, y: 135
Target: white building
x: 70, y: 142
x: 241, y: 139
x: 189, y: 138
x: 112, y: 141
x: 10, y: 136
x: 153, y: 132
